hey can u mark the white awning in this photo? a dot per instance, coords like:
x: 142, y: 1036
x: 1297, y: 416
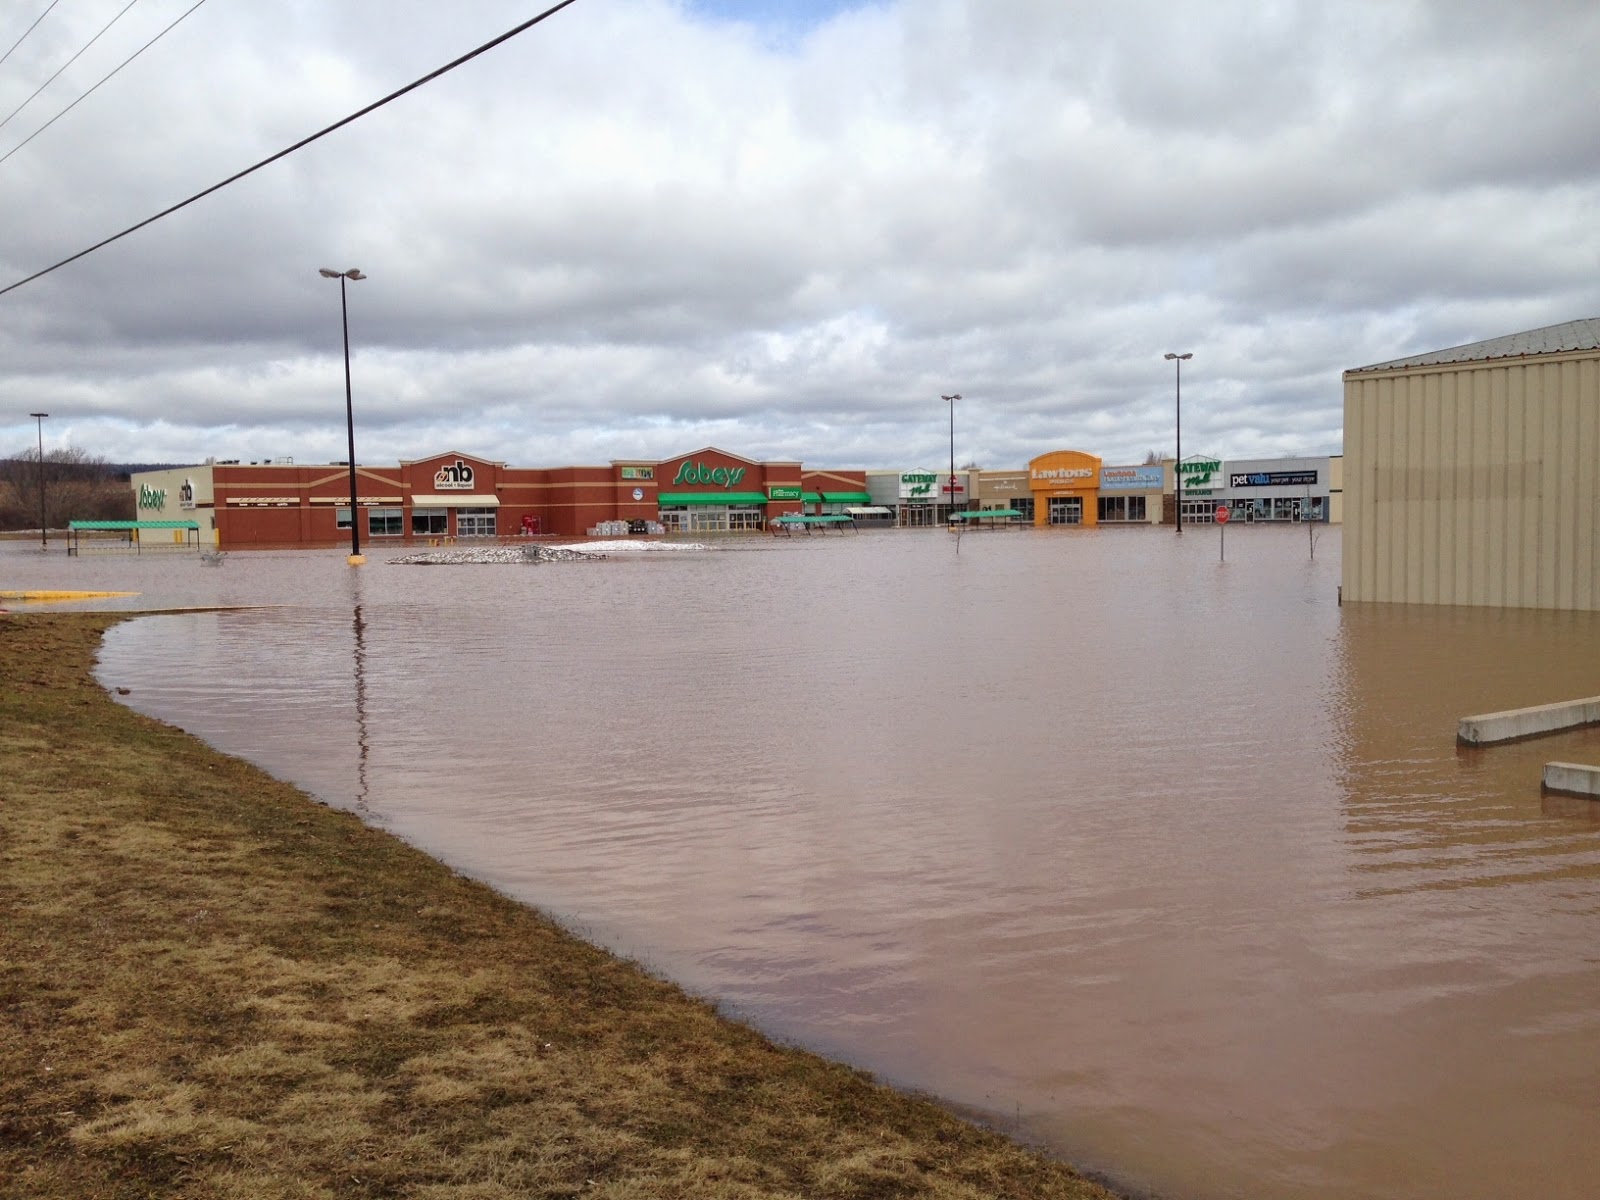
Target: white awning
x: 458, y: 500
x: 869, y: 510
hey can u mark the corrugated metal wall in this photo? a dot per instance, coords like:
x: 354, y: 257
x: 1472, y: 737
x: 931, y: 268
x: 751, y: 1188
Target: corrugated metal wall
x: 1474, y: 484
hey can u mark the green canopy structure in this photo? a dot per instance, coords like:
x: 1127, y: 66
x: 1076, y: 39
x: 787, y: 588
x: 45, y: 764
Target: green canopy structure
x: 131, y: 531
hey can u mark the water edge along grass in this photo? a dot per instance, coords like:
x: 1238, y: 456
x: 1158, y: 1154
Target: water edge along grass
x: 213, y: 985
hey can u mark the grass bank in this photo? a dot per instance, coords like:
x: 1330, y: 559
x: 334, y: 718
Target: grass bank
x: 213, y: 986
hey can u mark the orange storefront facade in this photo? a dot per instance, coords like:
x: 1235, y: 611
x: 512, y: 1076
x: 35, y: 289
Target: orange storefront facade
x: 1066, y: 487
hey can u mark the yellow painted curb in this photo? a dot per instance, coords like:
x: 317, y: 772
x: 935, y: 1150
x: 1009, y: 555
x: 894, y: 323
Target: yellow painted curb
x: 61, y: 595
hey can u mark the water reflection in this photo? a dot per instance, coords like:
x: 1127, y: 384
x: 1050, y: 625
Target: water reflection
x: 1466, y: 945
x: 1170, y: 861
x: 358, y: 631
x: 1424, y: 819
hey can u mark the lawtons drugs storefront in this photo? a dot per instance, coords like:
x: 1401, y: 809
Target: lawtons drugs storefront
x: 458, y: 496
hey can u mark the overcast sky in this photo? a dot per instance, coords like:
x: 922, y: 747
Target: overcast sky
x: 781, y: 228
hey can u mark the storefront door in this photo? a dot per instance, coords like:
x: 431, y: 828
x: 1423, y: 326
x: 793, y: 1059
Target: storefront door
x: 1066, y: 510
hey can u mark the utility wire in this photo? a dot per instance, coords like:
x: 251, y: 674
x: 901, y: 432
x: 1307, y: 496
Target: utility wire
x: 28, y: 30
x: 91, y: 91
x: 301, y: 144
x: 69, y: 62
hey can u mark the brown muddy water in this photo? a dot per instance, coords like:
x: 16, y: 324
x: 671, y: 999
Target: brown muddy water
x: 1168, y: 863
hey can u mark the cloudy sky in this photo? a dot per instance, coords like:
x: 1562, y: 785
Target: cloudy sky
x: 782, y: 227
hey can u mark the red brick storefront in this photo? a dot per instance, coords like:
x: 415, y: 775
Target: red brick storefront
x: 454, y: 496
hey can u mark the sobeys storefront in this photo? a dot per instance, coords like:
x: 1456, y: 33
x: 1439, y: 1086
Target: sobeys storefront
x: 1065, y: 486
x: 712, y: 491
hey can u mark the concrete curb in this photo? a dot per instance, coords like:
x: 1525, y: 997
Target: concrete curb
x: 1571, y: 779
x: 1519, y: 723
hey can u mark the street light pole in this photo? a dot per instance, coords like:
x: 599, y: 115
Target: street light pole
x: 1177, y: 361
x: 951, y: 401
x: 355, y: 559
x: 44, y: 537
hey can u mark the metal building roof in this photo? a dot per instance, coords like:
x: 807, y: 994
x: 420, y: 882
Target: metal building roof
x: 1552, y: 339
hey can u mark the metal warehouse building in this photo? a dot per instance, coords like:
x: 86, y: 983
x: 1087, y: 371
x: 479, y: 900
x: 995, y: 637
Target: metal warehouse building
x: 1472, y: 475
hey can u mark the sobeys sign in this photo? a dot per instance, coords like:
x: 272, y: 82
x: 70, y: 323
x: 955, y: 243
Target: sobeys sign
x: 692, y: 472
x: 150, y: 497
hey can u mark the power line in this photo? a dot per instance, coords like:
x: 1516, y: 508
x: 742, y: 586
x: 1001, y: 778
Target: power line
x: 301, y: 144
x: 91, y: 91
x: 28, y: 30
x: 69, y: 62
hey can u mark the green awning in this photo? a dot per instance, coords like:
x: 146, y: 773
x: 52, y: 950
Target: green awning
x: 684, y: 499
x: 847, y: 497
x: 811, y: 497
x: 133, y: 525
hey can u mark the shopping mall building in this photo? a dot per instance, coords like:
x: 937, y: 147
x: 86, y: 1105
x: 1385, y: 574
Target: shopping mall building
x: 452, y: 495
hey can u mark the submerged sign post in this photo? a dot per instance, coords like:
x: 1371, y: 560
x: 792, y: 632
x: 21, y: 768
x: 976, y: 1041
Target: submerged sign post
x: 1222, y: 532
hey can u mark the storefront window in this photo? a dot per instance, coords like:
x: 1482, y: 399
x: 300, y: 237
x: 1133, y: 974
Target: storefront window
x: 746, y: 518
x: 341, y: 518
x: 1122, y: 508
x: 430, y: 522
x: 385, y: 522
x: 474, y: 522
x: 674, y: 520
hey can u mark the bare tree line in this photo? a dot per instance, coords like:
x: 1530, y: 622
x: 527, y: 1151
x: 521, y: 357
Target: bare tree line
x: 77, y: 486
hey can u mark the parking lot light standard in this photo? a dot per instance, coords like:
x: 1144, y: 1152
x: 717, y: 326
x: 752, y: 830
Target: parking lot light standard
x: 950, y: 486
x: 1177, y: 361
x: 355, y: 559
x: 44, y: 536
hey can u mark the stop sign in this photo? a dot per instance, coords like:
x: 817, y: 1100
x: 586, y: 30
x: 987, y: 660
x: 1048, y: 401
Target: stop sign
x: 1223, y: 514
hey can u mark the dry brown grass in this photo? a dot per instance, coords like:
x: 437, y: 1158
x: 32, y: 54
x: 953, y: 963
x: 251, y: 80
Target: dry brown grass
x: 212, y: 986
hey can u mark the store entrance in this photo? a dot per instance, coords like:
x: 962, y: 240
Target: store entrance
x: 1066, y: 510
x: 918, y: 515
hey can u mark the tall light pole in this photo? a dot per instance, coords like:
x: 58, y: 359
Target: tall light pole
x: 349, y: 412
x: 1177, y: 361
x: 44, y: 537
x: 951, y: 401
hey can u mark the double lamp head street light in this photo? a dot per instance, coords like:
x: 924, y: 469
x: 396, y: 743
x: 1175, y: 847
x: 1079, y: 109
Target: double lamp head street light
x: 349, y: 412
x: 950, y: 485
x: 44, y: 537
x: 1177, y: 361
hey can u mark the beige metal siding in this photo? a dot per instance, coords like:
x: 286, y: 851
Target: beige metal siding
x: 1474, y: 483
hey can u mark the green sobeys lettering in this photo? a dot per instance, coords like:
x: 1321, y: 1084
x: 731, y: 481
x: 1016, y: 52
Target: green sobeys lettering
x: 691, y: 472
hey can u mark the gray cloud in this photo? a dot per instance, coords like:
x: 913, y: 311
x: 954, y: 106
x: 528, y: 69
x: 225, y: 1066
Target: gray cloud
x: 647, y: 226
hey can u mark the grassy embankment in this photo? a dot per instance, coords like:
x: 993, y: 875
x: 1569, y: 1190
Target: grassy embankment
x: 211, y: 985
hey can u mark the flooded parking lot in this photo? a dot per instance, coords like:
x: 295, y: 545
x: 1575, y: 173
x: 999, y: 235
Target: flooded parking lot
x: 1168, y: 862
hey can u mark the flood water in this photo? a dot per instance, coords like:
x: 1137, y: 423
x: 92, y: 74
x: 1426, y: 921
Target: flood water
x: 1169, y: 863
